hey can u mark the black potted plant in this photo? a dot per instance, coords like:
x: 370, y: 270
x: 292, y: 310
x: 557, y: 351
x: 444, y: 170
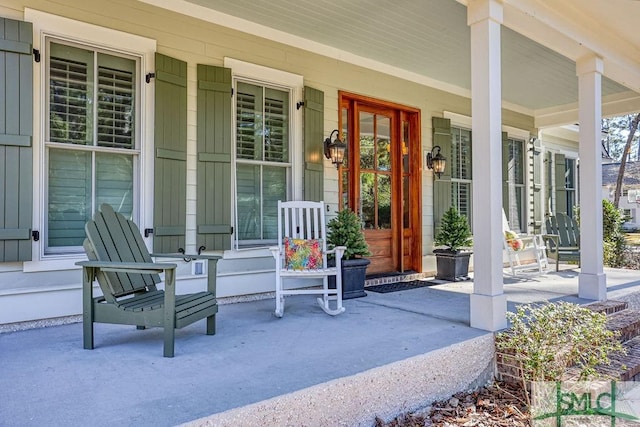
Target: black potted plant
x: 346, y: 230
x: 452, y: 261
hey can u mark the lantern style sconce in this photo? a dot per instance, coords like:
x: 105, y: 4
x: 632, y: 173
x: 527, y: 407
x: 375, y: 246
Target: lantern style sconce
x: 334, y: 149
x: 436, y: 161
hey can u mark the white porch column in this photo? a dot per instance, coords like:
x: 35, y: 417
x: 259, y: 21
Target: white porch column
x: 488, y: 302
x: 592, y: 280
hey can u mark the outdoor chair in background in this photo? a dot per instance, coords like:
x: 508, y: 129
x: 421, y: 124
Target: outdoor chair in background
x: 526, y: 253
x: 562, y: 238
x: 119, y: 260
x: 302, y: 254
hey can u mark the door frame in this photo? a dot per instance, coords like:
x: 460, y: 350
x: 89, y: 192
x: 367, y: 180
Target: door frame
x: 347, y: 99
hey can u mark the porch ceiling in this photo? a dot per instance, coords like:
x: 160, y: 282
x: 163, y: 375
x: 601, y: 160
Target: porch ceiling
x: 428, y: 40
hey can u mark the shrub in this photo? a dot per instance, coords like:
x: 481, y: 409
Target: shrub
x: 346, y: 230
x: 454, y: 231
x: 550, y: 338
x: 613, y: 237
x: 614, y: 244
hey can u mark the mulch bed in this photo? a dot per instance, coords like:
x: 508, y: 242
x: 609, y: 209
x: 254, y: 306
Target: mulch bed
x: 499, y: 404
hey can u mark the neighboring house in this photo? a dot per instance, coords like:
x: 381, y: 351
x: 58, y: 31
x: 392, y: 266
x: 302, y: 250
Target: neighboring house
x: 193, y: 118
x: 630, y: 197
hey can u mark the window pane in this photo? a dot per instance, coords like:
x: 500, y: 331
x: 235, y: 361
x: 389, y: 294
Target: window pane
x: 569, y: 173
x: 258, y: 203
x: 248, y: 182
x: 249, y: 121
x: 384, y: 202
x: 516, y: 162
x: 70, y: 95
x: 366, y: 141
x: 406, y: 203
x: 367, y: 200
x: 383, y: 143
x: 276, y: 131
x: 69, y: 197
x: 274, y: 189
x: 461, y: 153
x: 461, y: 198
x: 262, y: 123
x: 516, y: 220
x: 116, y: 100
x: 114, y: 182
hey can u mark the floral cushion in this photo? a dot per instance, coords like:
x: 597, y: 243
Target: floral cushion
x: 513, y: 241
x: 301, y: 254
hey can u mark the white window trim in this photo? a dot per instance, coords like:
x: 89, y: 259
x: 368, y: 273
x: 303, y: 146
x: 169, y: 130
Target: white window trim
x: 271, y: 76
x: 48, y: 25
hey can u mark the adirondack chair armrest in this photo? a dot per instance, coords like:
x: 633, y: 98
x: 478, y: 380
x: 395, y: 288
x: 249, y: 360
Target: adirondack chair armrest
x: 554, y: 239
x: 187, y: 257
x: 129, y: 267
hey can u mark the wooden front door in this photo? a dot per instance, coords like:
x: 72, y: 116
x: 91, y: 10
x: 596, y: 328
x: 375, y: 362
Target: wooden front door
x: 380, y: 180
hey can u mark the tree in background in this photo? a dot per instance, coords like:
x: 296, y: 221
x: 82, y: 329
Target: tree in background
x: 619, y: 128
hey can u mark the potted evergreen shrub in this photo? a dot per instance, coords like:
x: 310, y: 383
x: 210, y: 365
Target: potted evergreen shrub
x: 452, y: 261
x: 346, y: 230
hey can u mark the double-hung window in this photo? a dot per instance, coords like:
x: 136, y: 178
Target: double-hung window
x: 516, y: 185
x: 91, y: 139
x: 263, y: 160
x: 461, y: 171
x: 570, y: 184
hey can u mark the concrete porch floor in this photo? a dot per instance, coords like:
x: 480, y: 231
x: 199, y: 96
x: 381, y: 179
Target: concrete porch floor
x: 388, y: 353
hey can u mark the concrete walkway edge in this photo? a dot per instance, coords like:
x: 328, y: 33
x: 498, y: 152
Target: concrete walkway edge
x: 356, y: 400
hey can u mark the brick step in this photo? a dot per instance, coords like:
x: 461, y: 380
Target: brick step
x: 623, y: 367
x: 607, y: 307
x: 627, y: 322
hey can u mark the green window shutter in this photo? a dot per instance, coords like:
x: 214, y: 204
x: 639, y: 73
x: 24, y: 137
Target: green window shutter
x: 537, y: 187
x: 442, y: 185
x: 313, y: 148
x: 214, y: 158
x: 170, y: 202
x: 505, y: 173
x: 561, y: 194
x: 16, y: 131
x: 548, y: 171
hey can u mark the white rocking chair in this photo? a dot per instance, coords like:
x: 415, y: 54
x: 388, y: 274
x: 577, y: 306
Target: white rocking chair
x: 527, y: 253
x: 302, y: 254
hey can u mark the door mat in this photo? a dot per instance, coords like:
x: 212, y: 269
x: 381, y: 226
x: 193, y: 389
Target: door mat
x: 401, y: 286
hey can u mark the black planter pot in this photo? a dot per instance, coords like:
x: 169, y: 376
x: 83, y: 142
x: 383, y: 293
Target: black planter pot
x: 354, y: 272
x: 452, y: 266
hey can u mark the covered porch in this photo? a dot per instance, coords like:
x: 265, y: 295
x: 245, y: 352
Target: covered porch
x: 388, y: 353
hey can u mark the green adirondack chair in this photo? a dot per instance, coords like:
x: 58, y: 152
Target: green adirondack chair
x: 119, y: 260
x: 562, y: 238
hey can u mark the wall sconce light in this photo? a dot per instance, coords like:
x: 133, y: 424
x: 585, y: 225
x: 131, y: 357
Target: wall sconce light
x: 436, y: 162
x: 334, y: 149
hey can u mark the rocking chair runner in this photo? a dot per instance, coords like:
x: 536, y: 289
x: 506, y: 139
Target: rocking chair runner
x: 119, y: 260
x: 302, y: 254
